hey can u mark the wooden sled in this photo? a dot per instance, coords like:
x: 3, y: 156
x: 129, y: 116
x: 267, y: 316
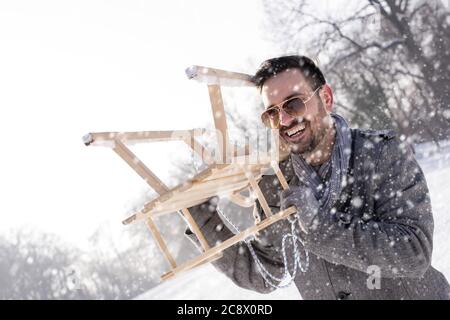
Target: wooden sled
x: 221, y: 178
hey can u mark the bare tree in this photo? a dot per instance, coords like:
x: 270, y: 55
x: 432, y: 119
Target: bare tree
x: 388, y: 60
x: 36, y: 265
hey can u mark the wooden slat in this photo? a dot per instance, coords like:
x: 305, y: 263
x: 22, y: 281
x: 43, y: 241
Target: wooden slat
x: 220, y: 121
x: 219, y: 169
x: 219, y: 77
x: 107, y: 138
x: 171, y: 274
x: 155, y: 183
x: 235, y: 169
x: 233, y: 240
x: 195, y: 189
x: 208, y: 172
x: 280, y: 175
x: 140, y: 168
x: 259, y: 194
x: 159, y: 240
x: 209, y: 187
x: 198, y: 148
x: 175, y: 203
x: 240, y: 200
x: 141, y: 215
x: 191, y: 185
x: 218, y: 173
x: 185, y: 200
x: 195, y: 228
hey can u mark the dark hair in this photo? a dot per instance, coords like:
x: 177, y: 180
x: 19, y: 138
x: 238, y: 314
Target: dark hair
x: 272, y: 67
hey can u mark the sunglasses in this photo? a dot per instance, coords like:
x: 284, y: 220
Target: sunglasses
x: 294, y: 106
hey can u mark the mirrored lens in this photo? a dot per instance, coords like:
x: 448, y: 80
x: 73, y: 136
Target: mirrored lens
x: 271, y: 118
x: 295, y: 107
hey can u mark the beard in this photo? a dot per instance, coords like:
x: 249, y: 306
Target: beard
x: 314, y: 134
x: 307, y: 141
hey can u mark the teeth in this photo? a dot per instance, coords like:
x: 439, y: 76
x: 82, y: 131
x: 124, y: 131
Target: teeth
x: 296, y: 129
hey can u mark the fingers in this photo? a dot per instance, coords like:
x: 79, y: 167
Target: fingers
x: 299, y: 196
x: 292, y: 191
x: 293, y: 199
x: 288, y: 203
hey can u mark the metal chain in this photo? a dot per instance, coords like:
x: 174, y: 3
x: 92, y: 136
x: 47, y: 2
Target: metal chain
x: 297, y: 258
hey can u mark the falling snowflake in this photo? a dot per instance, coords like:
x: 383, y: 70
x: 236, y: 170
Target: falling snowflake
x: 356, y: 202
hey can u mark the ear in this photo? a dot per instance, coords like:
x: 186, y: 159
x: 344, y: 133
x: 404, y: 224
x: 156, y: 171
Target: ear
x: 327, y: 97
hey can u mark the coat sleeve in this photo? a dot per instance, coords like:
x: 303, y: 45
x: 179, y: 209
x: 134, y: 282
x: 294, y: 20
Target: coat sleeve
x: 237, y: 262
x: 397, y: 235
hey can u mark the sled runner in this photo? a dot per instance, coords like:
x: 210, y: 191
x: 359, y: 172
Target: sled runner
x: 229, y: 173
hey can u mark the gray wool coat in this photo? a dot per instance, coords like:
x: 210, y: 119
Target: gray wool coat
x: 383, y: 219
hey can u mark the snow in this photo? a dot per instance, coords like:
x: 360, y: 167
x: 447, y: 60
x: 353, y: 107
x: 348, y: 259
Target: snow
x: 206, y: 282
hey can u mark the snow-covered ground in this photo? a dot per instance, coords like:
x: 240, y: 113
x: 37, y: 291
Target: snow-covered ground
x: 207, y: 283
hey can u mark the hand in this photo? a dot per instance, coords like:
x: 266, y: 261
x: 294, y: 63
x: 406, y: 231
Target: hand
x: 306, y: 203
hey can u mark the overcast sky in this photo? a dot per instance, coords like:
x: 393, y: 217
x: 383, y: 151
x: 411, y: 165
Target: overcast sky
x: 72, y: 67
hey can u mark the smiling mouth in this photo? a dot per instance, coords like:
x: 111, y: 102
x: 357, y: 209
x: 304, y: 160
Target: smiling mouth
x: 295, y: 133
x: 295, y: 130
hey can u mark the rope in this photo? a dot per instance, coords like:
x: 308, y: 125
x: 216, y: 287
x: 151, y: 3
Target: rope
x: 297, y: 257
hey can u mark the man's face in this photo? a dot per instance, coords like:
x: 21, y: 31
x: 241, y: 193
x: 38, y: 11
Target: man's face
x: 290, y: 83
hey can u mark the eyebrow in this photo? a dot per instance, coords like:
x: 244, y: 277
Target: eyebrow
x: 288, y: 97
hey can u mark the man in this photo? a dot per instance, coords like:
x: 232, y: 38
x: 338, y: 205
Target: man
x: 363, y: 209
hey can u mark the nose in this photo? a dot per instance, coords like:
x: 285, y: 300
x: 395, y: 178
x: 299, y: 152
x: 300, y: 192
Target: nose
x: 285, y: 119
